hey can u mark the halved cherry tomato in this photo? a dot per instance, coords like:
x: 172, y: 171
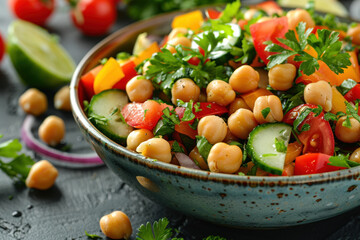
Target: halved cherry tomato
x: 319, y: 138
x: 129, y: 71
x: 35, y: 11
x: 353, y: 94
x: 268, y: 30
x: 144, y: 115
x: 314, y: 163
x: 94, y: 17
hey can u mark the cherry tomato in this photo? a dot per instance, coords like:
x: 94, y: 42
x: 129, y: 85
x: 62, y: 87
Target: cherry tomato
x: 319, y: 138
x: 313, y: 163
x: 2, y: 48
x: 268, y: 30
x: 143, y: 115
x: 35, y: 11
x: 94, y: 17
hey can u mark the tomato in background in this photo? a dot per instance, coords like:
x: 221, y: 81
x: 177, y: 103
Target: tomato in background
x: 2, y: 48
x: 35, y: 11
x: 94, y: 17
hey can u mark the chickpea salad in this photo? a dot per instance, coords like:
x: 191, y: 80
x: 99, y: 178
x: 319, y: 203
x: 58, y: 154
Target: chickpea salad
x: 248, y: 91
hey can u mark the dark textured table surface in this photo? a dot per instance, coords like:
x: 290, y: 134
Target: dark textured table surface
x: 82, y: 196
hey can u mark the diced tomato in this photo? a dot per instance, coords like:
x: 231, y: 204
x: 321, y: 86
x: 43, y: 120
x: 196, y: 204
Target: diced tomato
x: 144, y: 115
x: 353, y: 94
x: 212, y: 13
x: 268, y: 31
x: 319, y: 138
x: 206, y: 108
x: 129, y: 71
x: 87, y: 81
x: 313, y: 163
x: 194, y: 61
x: 270, y: 7
x: 184, y: 128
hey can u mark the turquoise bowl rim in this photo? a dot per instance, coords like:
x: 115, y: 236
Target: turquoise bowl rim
x: 110, y: 43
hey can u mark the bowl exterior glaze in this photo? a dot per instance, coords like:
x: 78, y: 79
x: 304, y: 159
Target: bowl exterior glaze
x: 237, y: 201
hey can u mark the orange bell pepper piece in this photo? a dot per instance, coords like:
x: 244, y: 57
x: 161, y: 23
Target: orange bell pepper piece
x: 147, y: 53
x: 192, y: 20
x: 110, y: 74
x: 338, y: 102
x: 251, y: 97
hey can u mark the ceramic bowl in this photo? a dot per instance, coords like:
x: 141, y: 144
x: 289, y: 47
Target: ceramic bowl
x: 237, y: 201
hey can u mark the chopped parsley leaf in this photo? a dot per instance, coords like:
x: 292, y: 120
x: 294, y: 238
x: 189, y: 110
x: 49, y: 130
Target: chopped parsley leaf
x: 265, y: 112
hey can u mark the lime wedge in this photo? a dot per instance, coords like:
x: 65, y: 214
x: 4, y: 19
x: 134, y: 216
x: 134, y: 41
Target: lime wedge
x: 328, y: 6
x: 37, y: 57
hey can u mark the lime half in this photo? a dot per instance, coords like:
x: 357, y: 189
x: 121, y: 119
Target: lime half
x: 37, y: 57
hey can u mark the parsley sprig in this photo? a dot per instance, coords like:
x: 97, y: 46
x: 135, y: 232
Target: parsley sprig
x: 166, y: 67
x: 326, y: 45
x: 351, y: 112
x: 160, y: 230
x: 18, y: 166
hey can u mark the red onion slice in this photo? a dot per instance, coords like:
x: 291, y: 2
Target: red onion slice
x: 185, y: 161
x: 88, y: 159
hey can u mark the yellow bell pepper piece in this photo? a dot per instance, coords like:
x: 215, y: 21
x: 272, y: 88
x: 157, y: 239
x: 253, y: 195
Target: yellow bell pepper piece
x: 192, y: 20
x: 147, y: 53
x: 338, y: 102
x: 110, y: 74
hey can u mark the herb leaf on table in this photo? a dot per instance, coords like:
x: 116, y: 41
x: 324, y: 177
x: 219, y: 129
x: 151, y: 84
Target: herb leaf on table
x: 19, y: 166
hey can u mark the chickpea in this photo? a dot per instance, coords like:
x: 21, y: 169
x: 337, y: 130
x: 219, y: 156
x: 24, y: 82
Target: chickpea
x: 33, y: 102
x: 224, y: 158
x: 183, y: 41
x: 52, y: 130
x: 62, y: 99
x: 195, y: 156
x: 241, y: 123
x: 156, y: 148
x: 138, y: 136
x: 213, y: 128
x: 355, y: 156
x: 273, y: 103
x: 354, y: 33
x: 281, y: 77
x: 299, y: 15
x: 319, y: 93
x: 345, y: 134
x: 139, y: 89
x: 264, y: 19
x: 185, y: 89
x: 237, y: 104
x: 42, y: 175
x: 220, y: 92
x: 244, y: 79
x: 177, y: 32
x: 116, y: 225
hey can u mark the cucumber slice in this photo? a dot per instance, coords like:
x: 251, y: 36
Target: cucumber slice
x: 267, y: 146
x: 105, y: 113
